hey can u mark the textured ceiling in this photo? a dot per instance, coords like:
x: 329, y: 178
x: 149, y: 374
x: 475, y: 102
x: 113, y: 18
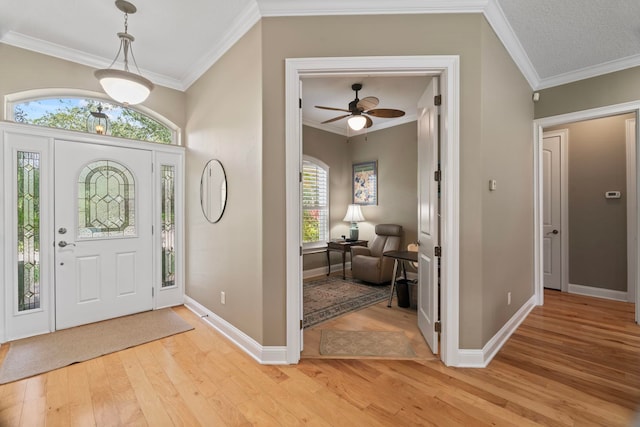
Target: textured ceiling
x: 552, y: 41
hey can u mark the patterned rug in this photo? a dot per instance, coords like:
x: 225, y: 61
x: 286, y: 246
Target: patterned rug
x: 365, y: 343
x: 331, y: 297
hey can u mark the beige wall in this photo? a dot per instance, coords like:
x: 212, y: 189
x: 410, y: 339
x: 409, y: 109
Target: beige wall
x: 597, y: 226
x: 395, y: 150
x: 459, y: 34
x: 25, y: 70
x: 609, y: 89
x: 224, y: 111
x: 507, y: 213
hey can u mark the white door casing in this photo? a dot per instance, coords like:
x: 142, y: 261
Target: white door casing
x: 448, y: 68
x: 428, y: 221
x: 109, y: 275
x: 553, y: 231
x: 632, y: 209
x: 538, y: 131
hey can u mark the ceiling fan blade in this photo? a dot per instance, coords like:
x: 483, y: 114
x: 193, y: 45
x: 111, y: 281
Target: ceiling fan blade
x: 368, y: 103
x: 385, y: 112
x: 369, y: 122
x: 336, y: 118
x: 333, y: 108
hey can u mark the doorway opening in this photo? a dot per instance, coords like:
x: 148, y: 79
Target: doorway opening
x: 581, y: 221
x: 447, y: 67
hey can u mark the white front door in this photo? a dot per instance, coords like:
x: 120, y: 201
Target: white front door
x: 103, y: 227
x: 552, y: 209
x: 428, y: 215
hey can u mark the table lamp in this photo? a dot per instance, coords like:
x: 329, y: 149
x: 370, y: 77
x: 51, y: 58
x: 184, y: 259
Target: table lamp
x: 354, y: 216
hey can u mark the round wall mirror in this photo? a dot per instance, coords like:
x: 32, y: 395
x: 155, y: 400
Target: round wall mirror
x: 213, y: 191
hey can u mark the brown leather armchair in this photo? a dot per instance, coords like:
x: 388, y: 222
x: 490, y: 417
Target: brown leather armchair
x: 368, y: 264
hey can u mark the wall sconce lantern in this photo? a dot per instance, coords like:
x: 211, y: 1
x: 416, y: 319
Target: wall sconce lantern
x: 98, y: 122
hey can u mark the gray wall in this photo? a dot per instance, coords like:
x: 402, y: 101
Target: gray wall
x: 482, y: 311
x: 597, y: 226
x: 395, y: 149
x: 608, y: 89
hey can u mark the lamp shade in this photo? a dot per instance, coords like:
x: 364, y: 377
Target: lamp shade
x: 354, y: 214
x: 125, y: 87
x: 357, y: 122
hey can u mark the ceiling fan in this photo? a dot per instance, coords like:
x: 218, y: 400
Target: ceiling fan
x: 360, y: 110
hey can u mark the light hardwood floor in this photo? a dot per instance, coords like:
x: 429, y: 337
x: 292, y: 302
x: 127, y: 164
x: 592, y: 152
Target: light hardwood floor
x: 575, y: 361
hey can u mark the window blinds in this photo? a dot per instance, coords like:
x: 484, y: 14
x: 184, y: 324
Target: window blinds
x: 315, y: 203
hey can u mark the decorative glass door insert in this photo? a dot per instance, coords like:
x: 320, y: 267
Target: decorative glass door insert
x: 28, y: 204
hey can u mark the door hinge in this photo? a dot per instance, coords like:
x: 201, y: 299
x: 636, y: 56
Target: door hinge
x: 152, y: 291
x: 437, y: 251
x: 300, y: 250
x: 151, y: 167
x: 152, y: 230
x: 300, y: 102
x: 300, y: 323
x: 437, y: 100
x: 300, y: 177
x: 437, y: 176
x: 437, y: 327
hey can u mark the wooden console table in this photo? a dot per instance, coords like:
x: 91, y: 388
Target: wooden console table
x: 344, y: 247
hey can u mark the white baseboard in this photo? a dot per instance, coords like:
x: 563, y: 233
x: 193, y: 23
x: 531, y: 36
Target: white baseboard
x: 482, y: 358
x: 322, y: 271
x: 267, y: 355
x: 591, y: 291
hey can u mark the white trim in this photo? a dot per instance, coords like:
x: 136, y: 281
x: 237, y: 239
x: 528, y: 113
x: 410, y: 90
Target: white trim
x: 47, y: 93
x: 372, y: 7
x: 632, y: 232
x: 322, y: 271
x: 449, y: 68
x: 79, y: 57
x: 238, y: 28
x: 589, y: 72
x: 538, y: 130
x: 597, y: 292
x: 273, y: 355
x: 482, y: 358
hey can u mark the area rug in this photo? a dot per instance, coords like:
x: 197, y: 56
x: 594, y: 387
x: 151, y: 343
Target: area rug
x: 333, y: 296
x: 365, y: 343
x: 43, y: 353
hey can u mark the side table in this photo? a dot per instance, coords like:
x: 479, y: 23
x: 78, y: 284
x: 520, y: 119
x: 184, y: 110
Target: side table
x: 343, y: 246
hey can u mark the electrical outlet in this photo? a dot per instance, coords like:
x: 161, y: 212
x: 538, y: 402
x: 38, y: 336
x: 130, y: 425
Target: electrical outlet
x: 508, y: 298
x: 223, y: 299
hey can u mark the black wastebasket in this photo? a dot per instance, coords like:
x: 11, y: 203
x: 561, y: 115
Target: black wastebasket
x: 402, y: 290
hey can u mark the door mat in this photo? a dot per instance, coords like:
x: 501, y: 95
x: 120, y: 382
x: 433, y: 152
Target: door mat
x: 365, y: 343
x: 35, y: 355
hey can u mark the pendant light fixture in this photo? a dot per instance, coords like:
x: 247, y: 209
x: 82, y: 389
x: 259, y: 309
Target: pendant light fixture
x: 124, y: 86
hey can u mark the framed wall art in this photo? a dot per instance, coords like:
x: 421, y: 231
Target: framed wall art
x: 365, y: 183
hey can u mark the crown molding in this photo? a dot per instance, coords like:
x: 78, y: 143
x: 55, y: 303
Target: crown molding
x: 589, y: 72
x: 498, y: 21
x: 58, y: 51
x: 240, y: 26
x: 367, y: 7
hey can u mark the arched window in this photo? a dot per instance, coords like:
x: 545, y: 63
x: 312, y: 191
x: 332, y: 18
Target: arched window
x: 315, y: 202
x: 51, y: 108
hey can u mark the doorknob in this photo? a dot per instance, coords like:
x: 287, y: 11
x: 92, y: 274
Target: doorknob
x: 553, y: 232
x: 64, y: 244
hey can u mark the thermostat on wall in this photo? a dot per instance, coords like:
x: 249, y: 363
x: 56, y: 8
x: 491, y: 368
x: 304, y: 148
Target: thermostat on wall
x: 612, y: 195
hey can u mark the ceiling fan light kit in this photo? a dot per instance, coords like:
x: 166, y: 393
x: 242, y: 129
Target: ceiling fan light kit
x: 360, y: 110
x: 124, y: 86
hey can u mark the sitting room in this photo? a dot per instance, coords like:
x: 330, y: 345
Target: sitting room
x: 360, y: 201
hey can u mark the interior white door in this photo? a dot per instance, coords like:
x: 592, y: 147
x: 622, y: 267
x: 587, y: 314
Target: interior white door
x: 552, y: 210
x: 103, y: 232
x: 428, y: 218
